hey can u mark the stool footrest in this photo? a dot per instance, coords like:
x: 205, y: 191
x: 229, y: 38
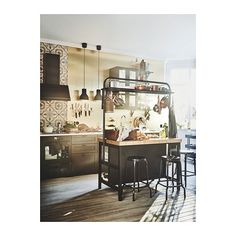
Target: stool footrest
x: 169, y: 186
x: 131, y: 186
x: 191, y: 173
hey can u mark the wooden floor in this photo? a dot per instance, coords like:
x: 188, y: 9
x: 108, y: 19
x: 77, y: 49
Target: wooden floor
x: 78, y: 199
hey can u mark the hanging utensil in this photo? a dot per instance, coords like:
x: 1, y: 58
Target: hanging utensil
x: 146, y: 113
x: 118, y: 101
x: 80, y: 110
x: 85, y: 110
x: 76, y: 111
x: 88, y: 110
x: 72, y: 110
x: 157, y: 107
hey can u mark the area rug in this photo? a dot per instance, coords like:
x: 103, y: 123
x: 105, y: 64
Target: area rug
x: 176, y: 209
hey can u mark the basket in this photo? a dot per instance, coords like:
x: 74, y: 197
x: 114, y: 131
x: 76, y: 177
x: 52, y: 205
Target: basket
x: 132, y: 135
x: 112, y: 134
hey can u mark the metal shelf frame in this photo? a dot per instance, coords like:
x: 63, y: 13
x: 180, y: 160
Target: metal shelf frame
x: 107, y: 87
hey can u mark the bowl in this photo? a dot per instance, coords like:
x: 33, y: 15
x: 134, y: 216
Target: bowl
x: 48, y: 129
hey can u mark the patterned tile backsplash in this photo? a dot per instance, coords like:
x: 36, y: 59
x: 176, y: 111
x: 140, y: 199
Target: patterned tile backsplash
x: 52, y: 112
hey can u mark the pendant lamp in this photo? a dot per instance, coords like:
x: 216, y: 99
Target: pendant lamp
x: 98, y: 95
x: 84, y: 95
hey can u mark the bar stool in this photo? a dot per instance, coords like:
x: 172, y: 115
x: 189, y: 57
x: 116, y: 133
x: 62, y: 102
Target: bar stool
x: 187, y: 173
x: 172, y: 161
x: 136, y: 160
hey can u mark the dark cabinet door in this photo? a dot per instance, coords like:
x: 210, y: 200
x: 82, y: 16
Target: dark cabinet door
x: 83, y: 163
x: 84, y: 155
x: 55, y: 157
x: 62, y: 156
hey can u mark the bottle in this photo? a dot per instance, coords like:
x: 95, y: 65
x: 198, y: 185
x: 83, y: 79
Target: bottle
x: 162, y: 132
x: 59, y: 127
x: 166, y: 129
x: 142, y: 69
x: 59, y: 154
x: 142, y: 65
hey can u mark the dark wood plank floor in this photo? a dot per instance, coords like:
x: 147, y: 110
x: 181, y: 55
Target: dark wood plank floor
x: 78, y: 199
x: 97, y: 205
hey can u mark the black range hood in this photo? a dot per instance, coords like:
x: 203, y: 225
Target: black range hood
x: 51, y: 88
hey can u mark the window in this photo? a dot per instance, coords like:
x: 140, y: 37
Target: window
x: 181, y: 77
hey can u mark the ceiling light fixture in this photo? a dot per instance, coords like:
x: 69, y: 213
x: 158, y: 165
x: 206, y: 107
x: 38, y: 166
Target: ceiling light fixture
x: 98, y: 95
x: 84, y: 95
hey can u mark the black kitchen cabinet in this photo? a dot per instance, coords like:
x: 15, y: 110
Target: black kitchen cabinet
x: 63, y: 156
x: 55, y: 157
x: 84, y: 154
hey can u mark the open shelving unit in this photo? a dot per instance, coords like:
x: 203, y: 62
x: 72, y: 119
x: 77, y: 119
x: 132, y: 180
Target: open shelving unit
x: 108, y: 165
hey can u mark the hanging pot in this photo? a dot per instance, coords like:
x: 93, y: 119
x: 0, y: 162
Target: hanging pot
x: 157, y: 107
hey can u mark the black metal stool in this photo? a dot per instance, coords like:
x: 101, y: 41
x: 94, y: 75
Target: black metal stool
x: 172, y: 160
x: 187, y: 173
x: 136, y: 160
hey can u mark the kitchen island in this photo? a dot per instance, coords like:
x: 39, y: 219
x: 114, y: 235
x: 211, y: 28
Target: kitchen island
x: 113, y: 168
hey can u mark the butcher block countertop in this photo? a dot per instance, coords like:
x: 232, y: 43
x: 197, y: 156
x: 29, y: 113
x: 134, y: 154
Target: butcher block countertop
x: 143, y: 142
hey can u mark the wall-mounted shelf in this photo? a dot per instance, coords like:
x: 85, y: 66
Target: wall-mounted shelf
x: 136, y: 86
x: 119, y: 89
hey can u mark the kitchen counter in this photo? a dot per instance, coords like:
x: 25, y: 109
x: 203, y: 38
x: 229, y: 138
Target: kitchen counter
x: 142, y: 142
x: 70, y: 134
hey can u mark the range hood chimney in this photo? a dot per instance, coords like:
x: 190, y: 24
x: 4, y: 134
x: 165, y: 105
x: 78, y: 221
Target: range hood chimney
x: 51, y: 88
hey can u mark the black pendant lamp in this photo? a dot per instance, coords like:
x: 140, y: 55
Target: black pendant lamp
x: 84, y: 95
x: 98, y: 95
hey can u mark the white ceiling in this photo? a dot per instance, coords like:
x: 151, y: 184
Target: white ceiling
x: 145, y: 36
